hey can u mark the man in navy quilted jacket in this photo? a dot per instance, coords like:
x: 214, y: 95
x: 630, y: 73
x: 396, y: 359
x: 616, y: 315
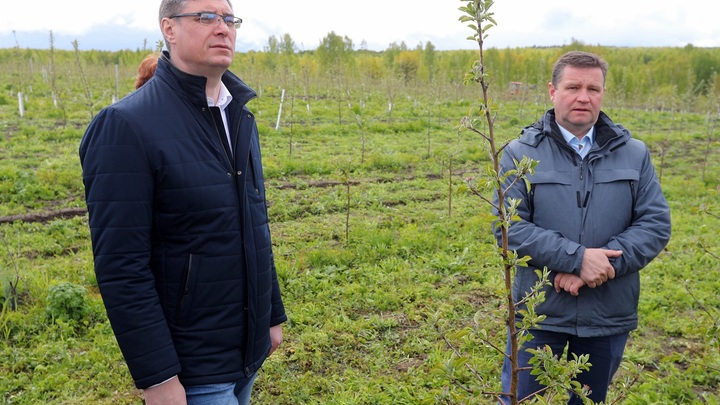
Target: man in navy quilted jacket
x: 178, y: 217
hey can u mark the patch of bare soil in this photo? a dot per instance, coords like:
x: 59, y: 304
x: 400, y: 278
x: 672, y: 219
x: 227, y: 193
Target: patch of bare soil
x: 44, y: 217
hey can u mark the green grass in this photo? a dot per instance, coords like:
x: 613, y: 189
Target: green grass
x: 362, y: 296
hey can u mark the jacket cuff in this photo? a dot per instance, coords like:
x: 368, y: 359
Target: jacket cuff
x: 169, y: 379
x: 577, y: 265
x: 157, y: 379
x: 278, y: 320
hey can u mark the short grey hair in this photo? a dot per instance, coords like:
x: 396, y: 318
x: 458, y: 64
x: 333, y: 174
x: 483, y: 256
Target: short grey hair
x: 578, y: 59
x: 169, y: 8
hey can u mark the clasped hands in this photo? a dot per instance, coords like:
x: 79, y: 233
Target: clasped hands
x: 595, y: 270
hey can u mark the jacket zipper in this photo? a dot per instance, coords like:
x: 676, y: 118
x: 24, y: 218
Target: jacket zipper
x: 531, y: 202
x: 186, y: 288
x: 222, y: 148
x: 235, y: 138
x: 633, y: 198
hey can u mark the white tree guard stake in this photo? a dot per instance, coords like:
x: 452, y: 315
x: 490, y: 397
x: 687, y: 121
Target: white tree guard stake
x: 282, y: 98
x: 21, y: 106
x: 117, y: 84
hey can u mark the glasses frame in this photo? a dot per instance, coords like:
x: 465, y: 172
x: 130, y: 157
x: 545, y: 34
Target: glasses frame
x: 230, y: 20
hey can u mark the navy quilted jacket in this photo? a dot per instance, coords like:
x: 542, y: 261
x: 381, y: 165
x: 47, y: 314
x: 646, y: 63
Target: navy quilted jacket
x: 180, y: 233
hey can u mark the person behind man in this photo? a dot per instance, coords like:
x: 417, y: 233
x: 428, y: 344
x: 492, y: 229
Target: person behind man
x: 594, y: 215
x: 178, y: 218
x: 146, y: 70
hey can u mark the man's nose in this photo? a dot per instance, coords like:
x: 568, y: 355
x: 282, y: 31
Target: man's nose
x: 584, y: 96
x: 221, y: 24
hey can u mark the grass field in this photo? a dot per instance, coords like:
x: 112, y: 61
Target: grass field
x: 374, y: 246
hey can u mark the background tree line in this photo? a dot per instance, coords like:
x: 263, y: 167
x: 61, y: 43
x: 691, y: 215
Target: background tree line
x: 666, y: 78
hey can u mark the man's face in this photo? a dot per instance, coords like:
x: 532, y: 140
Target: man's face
x: 199, y: 48
x: 578, y: 98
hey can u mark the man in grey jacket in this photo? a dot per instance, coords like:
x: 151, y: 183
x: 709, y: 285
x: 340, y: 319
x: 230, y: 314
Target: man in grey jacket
x: 594, y: 215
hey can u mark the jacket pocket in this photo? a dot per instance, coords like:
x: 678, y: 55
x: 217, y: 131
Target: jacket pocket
x: 614, y: 193
x: 256, y: 171
x: 609, y: 176
x: 548, y: 190
x: 187, y: 290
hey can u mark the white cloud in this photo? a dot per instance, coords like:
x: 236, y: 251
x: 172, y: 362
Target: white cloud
x: 381, y: 22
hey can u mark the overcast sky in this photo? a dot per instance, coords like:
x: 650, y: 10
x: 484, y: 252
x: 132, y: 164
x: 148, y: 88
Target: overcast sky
x: 126, y: 24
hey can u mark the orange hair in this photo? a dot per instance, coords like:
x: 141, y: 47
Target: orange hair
x: 146, y: 70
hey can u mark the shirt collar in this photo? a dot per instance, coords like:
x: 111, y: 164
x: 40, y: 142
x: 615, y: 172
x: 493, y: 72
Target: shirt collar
x: 224, y: 98
x: 588, y: 139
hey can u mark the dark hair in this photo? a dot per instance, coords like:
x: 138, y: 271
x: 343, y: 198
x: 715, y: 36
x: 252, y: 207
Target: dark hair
x: 146, y: 70
x: 578, y: 59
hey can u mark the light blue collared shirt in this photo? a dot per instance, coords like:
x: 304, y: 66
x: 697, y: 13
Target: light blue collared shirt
x: 581, y: 146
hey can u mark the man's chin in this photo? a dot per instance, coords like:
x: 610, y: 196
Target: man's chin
x: 582, y: 120
x: 221, y: 62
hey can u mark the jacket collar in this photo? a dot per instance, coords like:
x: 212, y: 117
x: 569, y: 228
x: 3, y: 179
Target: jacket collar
x: 606, y: 130
x: 193, y: 86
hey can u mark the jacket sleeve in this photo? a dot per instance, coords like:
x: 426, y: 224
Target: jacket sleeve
x: 119, y: 182
x: 545, y: 247
x: 278, y: 315
x: 650, y: 230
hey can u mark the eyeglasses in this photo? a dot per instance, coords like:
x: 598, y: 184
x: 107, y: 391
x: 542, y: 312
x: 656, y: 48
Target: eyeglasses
x: 210, y: 18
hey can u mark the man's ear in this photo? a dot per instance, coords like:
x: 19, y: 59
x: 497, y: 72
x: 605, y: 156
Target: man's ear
x: 167, y: 27
x: 551, y: 90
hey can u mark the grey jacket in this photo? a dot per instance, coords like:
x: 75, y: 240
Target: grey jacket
x: 611, y: 199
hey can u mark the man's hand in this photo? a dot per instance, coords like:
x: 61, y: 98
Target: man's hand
x: 276, y: 337
x: 596, y: 268
x: 568, y: 282
x: 170, y: 392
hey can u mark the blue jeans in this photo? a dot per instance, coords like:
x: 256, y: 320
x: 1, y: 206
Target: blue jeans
x: 219, y: 394
x: 605, y: 353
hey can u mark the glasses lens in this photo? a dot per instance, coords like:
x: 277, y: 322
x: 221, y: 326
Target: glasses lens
x: 232, y: 21
x: 208, y: 18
